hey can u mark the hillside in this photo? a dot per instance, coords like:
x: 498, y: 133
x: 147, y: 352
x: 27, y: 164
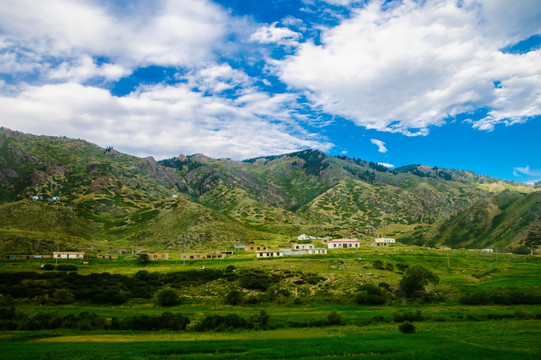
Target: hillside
x: 58, y: 191
x: 506, y: 220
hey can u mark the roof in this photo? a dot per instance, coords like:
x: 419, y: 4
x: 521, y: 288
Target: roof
x: 345, y: 240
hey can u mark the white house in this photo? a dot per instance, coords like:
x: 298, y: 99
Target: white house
x: 302, y: 246
x: 68, y: 255
x: 487, y: 250
x: 344, y: 244
x: 385, y: 240
x: 269, y: 253
x: 304, y: 252
x: 303, y: 237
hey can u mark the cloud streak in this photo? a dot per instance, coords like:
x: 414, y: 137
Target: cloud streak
x: 380, y: 144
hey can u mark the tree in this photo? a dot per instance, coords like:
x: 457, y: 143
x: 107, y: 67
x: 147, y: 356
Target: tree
x: 417, y: 281
x: 168, y: 297
x: 143, y: 258
x: 234, y: 297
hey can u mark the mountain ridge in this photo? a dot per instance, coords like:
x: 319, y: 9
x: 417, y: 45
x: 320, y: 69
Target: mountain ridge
x: 138, y: 202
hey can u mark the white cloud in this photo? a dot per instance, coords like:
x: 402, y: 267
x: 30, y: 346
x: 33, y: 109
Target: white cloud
x: 275, y: 35
x: 380, y: 144
x: 530, y: 175
x: 161, y: 121
x: 166, y: 33
x: 411, y: 66
x: 387, y: 165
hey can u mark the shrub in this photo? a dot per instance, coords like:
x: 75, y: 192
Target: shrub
x: 168, y: 297
x: 475, y: 299
x: 402, y: 266
x: 334, y: 318
x: 406, y: 328
x: 370, y: 294
x: 378, y: 264
x: 389, y: 266
x: 223, y: 323
x: 62, y: 296
x: 521, y: 250
x: 407, y: 316
x: 234, y: 297
x: 417, y: 281
x: 47, y: 267
x: 143, y: 259
x: 66, y: 267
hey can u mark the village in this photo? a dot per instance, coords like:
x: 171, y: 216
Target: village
x: 304, y: 246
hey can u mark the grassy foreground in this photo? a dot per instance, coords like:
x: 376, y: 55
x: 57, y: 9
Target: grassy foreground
x: 508, y: 339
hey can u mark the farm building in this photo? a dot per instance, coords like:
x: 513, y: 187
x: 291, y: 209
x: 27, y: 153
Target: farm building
x: 68, y: 255
x: 383, y: 242
x: 107, y: 256
x: 344, y: 244
x: 312, y: 251
x: 256, y: 248
x: 202, y: 256
x: 158, y: 256
x: 302, y: 246
x: 271, y: 253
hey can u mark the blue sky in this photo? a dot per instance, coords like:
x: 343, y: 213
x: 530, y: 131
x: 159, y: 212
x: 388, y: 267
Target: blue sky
x: 446, y: 83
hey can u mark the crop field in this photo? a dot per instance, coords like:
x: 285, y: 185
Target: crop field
x: 485, y: 306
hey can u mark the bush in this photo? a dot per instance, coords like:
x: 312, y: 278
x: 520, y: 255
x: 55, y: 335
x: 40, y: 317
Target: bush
x: 407, y: 316
x: 370, y: 294
x: 223, y: 323
x: 168, y: 297
x: 417, y: 281
x: 406, y: 328
x: 47, y: 267
x: 378, y: 264
x: 402, y: 267
x: 389, y: 266
x: 62, y: 296
x: 143, y: 259
x: 234, y: 297
x: 334, y: 318
x: 66, y: 267
x: 521, y: 250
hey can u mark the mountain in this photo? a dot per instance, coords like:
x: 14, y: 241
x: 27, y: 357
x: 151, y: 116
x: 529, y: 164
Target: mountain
x: 506, y: 220
x: 58, y: 191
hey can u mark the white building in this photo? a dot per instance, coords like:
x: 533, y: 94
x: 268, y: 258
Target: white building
x: 385, y: 240
x: 305, y: 252
x: 303, y: 237
x: 269, y: 253
x: 344, y: 244
x: 302, y: 246
x: 487, y: 250
x: 68, y: 255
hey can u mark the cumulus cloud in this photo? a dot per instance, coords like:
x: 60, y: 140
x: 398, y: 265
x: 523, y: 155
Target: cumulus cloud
x: 387, y: 165
x: 380, y: 144
x: 167, y: 32
x: 160, y: 120
x: 410, y: 65
x: 273, y: 34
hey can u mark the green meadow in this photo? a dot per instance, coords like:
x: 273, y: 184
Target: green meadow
x: 299, y: 301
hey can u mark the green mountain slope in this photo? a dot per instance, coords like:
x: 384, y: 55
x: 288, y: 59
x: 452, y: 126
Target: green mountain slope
x: 506, y: 220
x: 85, y: 194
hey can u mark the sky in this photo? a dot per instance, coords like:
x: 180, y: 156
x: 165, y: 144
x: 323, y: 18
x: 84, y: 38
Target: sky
x: 448, y: 83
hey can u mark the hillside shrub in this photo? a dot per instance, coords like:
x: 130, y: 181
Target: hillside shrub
x: 66, y: 267
x: 407, y: 316
x: 334, y: 318
x: 406, y: 328
x: 143, y: 259
x: 223, y: 323
x: 167, y: 297
x: 378, y: 264
x: 62, y: 296
x: 234, y: 297
x: 370, y: 294
x: 417, y: 281
x: 402, y: 267
x: 47, y: 267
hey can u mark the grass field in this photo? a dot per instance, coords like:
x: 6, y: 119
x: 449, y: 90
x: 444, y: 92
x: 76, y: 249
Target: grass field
x: 461, y: 340
x: 448, y: 329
